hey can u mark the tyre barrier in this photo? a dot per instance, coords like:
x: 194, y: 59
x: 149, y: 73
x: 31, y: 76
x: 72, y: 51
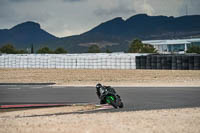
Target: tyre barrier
x: 168, y: 62
x: 138, y: 62
x: 73, y: 61
x: 148, y: 62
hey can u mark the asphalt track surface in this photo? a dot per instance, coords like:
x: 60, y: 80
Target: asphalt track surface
x: 134, y: 98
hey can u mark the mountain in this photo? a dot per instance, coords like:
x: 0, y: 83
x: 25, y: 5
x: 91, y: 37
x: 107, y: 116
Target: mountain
x: 25, y: 34
x: 115, y: 34
x: 145, y: 27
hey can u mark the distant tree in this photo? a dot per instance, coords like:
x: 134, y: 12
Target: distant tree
x: 60, y: 51
x: 147, y: 48
x: 32, y: 49
x: 21, y: 51
x: 108, y: 51
x: 135, y: 47
x: 94, y: 49
x: 8, y: 49
x: 138, y: 47
x: 44, y: 50
x: 194, y: 49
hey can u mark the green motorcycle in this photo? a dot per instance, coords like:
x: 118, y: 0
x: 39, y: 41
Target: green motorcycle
x: 113, y: 99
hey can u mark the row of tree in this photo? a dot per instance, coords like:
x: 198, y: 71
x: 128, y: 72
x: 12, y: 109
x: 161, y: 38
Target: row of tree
x: 194, y: 49
x: 10, y: 49
x: 136, y: 46
x: 46, y: 50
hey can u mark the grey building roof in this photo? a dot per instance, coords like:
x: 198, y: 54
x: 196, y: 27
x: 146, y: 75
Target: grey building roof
x: 168, y: 42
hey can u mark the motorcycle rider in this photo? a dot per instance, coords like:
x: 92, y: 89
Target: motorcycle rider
x: 100, y: 88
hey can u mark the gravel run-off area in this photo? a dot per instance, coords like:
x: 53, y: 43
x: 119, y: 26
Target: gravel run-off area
x: 154, y: 121
x: 69, y: 120
x: 89, y: 77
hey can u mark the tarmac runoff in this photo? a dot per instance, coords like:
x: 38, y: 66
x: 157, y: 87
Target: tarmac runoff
x: 30, y: 106
x: 7, y: 84
x: 21, y: 106
x: 26, y: 106
x: 18, y: 106
x: 134, y: 98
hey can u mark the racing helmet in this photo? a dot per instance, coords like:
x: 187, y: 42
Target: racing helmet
x: 98, y: 86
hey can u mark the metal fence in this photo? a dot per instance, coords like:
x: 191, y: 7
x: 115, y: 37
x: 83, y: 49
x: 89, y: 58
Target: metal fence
x: 69, y: 61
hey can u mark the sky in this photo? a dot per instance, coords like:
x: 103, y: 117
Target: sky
x: 71, y: 17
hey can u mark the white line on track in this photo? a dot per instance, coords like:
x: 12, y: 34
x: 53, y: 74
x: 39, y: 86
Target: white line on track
x: 36, y: 87
x: 14, y: 88
x: 58, y: 86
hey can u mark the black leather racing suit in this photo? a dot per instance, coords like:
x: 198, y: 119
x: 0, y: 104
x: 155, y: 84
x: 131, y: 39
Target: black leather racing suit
x: 102, y: 89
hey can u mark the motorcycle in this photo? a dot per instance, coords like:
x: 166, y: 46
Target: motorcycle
x: 111, y: 98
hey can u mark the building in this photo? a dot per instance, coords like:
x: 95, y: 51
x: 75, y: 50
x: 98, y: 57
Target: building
x: 173, y: 46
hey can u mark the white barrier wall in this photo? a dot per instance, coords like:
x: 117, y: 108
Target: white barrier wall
x: 69, y: 61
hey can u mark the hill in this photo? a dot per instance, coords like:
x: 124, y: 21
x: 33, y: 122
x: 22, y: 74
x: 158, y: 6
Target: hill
x: 25, y: 34
x: 117, y: 33
x: 114, y: 35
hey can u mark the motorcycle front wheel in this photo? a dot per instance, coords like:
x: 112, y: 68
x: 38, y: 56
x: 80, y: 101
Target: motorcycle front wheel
x: 110, y: 100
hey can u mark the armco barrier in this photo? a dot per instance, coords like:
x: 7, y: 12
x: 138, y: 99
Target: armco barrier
x: 70, y: 61
x: 169, y: 62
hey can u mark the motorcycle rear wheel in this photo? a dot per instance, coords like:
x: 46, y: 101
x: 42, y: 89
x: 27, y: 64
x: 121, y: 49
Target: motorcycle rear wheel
x: 121, y: 105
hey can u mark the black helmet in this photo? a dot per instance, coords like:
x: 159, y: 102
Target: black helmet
x: 98, y: 86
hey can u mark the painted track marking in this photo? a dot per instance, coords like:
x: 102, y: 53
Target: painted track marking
x: 36, y: 87
x: 14, y: 88
x: 104, y: 106
x: 30, y: 105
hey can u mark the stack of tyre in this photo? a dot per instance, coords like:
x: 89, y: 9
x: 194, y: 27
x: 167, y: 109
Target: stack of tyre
x: 169, y: 62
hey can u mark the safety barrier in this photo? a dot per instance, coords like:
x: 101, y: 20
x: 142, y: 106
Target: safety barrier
x: 69, y: 61
x: 170, y: 62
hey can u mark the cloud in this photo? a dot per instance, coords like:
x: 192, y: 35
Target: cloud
x: 69, y: 17
x: 18, y: 1
x: 148, y: 9
x: 114, y: 8
x: 120, y: 11
x: 24, y: 0
x: 189, y: 7
x: 74, y: 0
